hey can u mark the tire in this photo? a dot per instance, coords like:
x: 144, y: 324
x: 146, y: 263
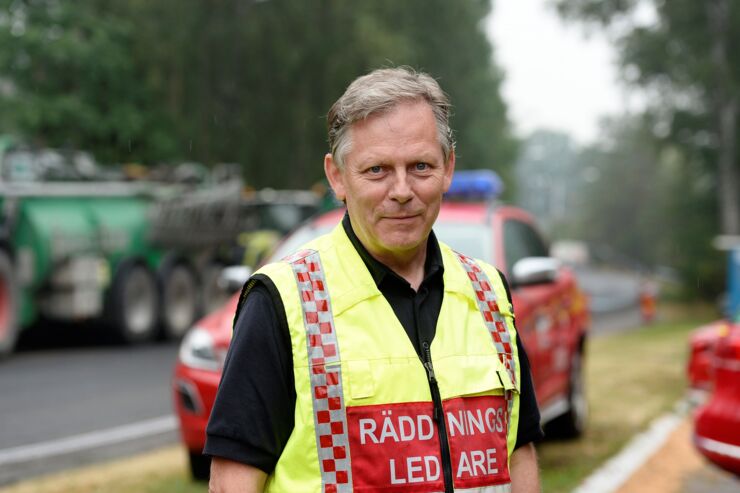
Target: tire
x: 132, y: 304
x: 572, y: 423
x: 200, y: 466
x: 179, y: 296
x: 8, y: 306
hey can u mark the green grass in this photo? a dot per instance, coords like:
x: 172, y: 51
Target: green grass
x: 631, y: 378
x: 161, y: 471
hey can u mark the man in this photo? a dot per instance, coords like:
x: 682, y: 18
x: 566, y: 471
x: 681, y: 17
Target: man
x: 377, y: 359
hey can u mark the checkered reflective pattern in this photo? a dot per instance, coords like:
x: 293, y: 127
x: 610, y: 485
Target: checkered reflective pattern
x: 492, y: 317
x: 330, y: 417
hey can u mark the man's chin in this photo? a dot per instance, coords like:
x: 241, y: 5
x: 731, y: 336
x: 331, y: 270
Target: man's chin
x: 403, y: 244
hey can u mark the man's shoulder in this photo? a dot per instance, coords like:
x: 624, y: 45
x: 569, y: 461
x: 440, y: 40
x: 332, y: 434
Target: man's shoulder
x: 282, y: 269
x: 458, y: 260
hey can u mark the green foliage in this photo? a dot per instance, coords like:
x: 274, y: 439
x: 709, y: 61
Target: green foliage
x: 73, y: 82
x: 651, y: 202
x: 236, y: 80
x: 625, y: 210
x: 692, y: 123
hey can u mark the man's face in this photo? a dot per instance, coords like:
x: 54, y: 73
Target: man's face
x: 393, y: 179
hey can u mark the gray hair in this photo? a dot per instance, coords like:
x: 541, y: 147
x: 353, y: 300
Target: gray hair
x: 380, y: 91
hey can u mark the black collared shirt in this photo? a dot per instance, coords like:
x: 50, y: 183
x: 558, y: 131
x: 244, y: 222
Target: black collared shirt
x: 416, y: 310
x: 253, y: 415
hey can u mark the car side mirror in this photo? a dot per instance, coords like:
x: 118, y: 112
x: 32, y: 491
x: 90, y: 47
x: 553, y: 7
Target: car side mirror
x: 232, y: 278
x: 535, y: 270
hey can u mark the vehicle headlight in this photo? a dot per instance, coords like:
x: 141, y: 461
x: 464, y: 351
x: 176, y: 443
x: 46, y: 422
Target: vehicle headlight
x: 199, y: 351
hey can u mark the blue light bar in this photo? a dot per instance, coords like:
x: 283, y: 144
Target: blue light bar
x: 481, y: 184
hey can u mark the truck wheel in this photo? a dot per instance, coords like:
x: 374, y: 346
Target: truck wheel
x: 8, y: 307
x: 572, y: 424
x: 200, y: 466
x: 133, y: 304
x: 179, y: 300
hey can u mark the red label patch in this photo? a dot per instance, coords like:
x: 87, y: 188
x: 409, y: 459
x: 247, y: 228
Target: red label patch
x: 395, y: 447
x: 476, y: 430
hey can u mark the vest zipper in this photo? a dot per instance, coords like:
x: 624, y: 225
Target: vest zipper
x: 439, y: 418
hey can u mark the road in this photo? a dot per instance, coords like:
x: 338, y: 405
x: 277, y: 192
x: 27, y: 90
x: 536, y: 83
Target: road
x: 59, y: 397
x: 70, y: 397
x: 613, y: 299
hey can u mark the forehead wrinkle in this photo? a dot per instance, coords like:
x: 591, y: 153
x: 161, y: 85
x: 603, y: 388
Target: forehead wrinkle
x: 385, y: 142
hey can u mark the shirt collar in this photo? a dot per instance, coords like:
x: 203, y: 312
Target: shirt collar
x: 379, y: 271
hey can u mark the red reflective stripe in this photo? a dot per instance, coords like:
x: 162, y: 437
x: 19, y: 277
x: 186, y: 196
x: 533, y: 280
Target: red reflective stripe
x: 494, y: 321
x: 330, y: 415
x: 489, y: 309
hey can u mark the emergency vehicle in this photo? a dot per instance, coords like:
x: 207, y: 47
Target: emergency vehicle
x: 551, y: 311
x: 714, y: 365
x: 717, y: 423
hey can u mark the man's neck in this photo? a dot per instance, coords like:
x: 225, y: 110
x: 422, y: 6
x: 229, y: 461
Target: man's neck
x: 409, y: 265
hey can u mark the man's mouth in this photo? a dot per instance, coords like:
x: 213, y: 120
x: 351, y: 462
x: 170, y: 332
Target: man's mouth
x: 403, y: 217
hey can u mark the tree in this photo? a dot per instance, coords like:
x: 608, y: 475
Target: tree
x: 685, y: 60
x: 644, y: 203
x: 549, y: 179
x: 236, y: 80
x: 71, y: 81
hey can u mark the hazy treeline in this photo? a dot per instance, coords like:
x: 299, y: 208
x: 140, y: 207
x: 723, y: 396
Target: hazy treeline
x: 634, y: 199
x: 674, y: 172
x: 234, y: 80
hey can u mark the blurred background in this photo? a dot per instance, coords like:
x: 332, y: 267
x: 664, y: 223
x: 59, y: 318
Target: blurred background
x: 636, y: 101
x: 189, y: 134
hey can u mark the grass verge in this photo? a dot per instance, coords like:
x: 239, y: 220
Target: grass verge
x: 631, y: 377
x: 161, y: 471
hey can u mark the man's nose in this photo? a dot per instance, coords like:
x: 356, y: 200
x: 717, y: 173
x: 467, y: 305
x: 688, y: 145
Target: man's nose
x: 401, y: 188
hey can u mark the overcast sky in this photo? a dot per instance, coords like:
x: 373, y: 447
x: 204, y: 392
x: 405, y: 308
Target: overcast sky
x: 555, y: 77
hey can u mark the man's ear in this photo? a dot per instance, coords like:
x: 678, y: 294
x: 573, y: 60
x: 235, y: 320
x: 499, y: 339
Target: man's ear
x: 335, y: 177
x: 449, y: 170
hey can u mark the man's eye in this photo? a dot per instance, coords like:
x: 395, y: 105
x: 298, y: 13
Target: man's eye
x: 421, y: 166
x: 375, y: 169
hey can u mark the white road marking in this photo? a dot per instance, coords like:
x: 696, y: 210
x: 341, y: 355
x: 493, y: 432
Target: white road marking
x: 617, y: 470
x: 86, y: 441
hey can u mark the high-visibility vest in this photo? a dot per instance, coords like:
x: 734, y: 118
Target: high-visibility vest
x: 366, y: 416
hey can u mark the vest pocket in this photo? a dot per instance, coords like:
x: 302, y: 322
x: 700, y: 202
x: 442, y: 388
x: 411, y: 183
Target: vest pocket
x: 472, y: 375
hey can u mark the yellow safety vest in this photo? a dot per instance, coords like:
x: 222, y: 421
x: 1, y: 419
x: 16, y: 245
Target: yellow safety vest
x: 365, y: 418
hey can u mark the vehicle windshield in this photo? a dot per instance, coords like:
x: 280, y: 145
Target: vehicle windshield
x: 472, y: 239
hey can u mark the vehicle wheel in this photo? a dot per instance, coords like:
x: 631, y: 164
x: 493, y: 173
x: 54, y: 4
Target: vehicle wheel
x: 200, y: 466
x: 8, y: 306
x: 572, y: 424
x: 179, y: 300
x: 213, y: 295
x: 133, y: 304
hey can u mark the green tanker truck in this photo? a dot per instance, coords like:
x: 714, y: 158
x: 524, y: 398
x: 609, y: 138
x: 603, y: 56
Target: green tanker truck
x: 78, y: 247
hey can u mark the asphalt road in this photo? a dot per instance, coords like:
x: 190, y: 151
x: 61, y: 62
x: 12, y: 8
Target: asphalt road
x: 609, y: 290
x: 71, y: 397
x: 68, y: 401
